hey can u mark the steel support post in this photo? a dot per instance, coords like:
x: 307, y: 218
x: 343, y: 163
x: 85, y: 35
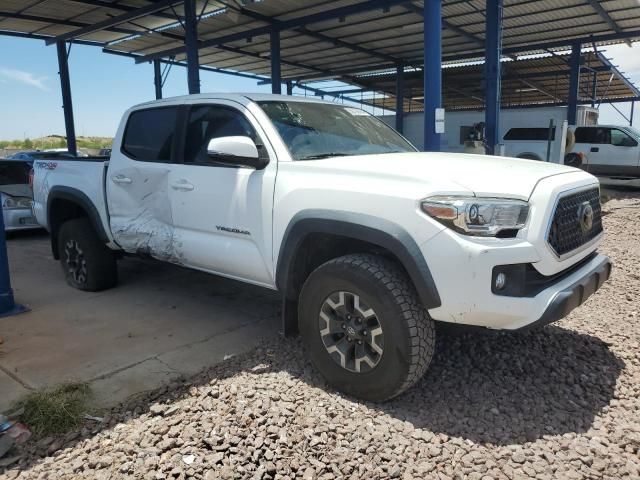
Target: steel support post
x: 7, y: 303
x: 493, y: 74
x: 399, y: 97
x: 157, y: 78
x: 574, y: 83
x: 432, y: 72
x: 67, y: 104
x: 276, y: 80
x: 191, y: 45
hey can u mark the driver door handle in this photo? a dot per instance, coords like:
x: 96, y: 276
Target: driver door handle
x: 182, y: 185
x: 121, y: 179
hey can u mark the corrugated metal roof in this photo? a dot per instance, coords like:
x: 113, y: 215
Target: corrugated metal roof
x: 339, y: 47
x: 534, y: 81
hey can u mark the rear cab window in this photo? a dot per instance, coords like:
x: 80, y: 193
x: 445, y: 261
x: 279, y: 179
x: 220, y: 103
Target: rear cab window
x: 149, y: 135
x: 14, y: 173
x: 593, y: 135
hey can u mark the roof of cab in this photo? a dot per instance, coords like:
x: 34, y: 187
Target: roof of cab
x: 242, y: 98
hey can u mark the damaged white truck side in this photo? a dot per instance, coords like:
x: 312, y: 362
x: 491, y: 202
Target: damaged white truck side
x: 368, y: 240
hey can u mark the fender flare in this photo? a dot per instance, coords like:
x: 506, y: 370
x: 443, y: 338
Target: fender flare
x: 366, y: 228
x: 83, y: 201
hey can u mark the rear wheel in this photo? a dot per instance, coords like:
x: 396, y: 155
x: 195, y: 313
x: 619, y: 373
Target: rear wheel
x: 87, y: 263
x: 364, y: 328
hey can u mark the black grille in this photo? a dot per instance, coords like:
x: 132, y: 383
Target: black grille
x: 567, y: 230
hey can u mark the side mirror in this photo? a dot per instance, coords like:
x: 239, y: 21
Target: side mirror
x: 238, y: 150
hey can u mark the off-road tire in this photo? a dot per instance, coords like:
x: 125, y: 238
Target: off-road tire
x: 409, y: 332
x: 100, y: 263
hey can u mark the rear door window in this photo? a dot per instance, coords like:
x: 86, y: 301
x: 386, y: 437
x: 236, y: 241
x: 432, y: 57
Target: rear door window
x: 530, y: 134
x: 150, y: 134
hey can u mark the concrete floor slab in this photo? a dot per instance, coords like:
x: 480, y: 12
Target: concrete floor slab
x: 139, y: 378
x: 157, y: 309
x: 10, y: 390
x: 193, y: 358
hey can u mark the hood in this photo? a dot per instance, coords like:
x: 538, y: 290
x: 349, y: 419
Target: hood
x: 485, y: 176
x: 17, y: 190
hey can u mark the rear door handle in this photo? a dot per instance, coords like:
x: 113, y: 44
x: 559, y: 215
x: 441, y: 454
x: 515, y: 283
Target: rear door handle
x: 595, y: 149
x: 121, y: 179
x: 182, y: 185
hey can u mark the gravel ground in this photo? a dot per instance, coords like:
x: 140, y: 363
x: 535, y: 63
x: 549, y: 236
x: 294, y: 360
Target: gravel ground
x: 562, y: 402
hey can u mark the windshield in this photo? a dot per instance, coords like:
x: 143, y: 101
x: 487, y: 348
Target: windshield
x: 318, y: 130
x: 634, y: 132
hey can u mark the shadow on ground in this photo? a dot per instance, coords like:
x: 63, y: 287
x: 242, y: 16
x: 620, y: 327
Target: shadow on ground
x: 505, y: 388
x: 490, y: 388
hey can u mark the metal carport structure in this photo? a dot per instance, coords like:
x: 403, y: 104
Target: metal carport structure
x: 530, y: 82
x: 286, y: 40
x: 305, y: 40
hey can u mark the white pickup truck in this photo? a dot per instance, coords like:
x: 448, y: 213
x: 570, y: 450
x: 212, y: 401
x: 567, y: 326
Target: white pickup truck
x: 368, y: 240
x: 609, y: 150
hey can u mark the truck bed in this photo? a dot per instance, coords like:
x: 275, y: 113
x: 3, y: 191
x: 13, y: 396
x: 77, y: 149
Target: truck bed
x: 86, y: 175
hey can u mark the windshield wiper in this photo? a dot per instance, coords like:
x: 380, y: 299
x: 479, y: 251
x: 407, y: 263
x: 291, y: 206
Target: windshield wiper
x: 327, y: 155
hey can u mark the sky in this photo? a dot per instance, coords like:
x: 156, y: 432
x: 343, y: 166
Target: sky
x: 104, y: 86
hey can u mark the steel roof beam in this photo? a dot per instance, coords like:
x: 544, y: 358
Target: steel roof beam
x: 36, y: 36
x: 626, y: 35
x: 624, y: 79
x: 120, y: 6
x: 66, y: 23
x: 183, y: 64
x: 289, y: 24
x: 117, y: 20
x: 317, y: 35
x: 595, y: 4
x: 448, y: 25
x: 514, y: 76
x: 229, y: 72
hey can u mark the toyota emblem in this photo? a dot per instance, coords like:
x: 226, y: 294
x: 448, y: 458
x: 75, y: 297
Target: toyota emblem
x: 585, y: 217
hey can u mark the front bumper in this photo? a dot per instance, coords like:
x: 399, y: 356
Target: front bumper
x: 577, y: 293
x: 462, y: 268
x: 19, y: 219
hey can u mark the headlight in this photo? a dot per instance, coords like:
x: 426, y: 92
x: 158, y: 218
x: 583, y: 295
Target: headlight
x: 16, y: 202
x: 485, y: 217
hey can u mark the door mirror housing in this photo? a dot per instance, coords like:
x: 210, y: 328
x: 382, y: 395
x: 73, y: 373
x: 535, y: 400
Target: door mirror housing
x: 237, y: 150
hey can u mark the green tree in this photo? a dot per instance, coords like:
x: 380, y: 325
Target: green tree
x: 27, y: 143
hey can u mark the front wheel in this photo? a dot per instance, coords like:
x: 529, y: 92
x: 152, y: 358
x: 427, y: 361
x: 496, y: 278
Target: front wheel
x: 364, y: 328
x: 88, y: 264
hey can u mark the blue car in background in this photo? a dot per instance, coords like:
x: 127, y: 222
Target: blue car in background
x: 31, y: 155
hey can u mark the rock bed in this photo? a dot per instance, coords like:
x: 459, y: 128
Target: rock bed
x: 562, y: 402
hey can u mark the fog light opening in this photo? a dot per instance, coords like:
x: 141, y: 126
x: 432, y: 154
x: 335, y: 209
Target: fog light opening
x: 501, y: 281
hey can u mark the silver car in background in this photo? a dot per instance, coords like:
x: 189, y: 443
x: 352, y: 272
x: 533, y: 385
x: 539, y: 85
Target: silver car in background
x: 16, y: 196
